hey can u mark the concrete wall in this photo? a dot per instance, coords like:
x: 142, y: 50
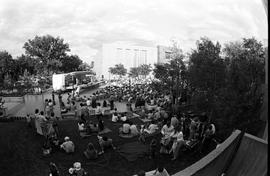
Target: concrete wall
x: 214, y: 163
x: 250, y: 159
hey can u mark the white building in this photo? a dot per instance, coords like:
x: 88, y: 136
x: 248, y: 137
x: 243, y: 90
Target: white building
x: 129, y: 56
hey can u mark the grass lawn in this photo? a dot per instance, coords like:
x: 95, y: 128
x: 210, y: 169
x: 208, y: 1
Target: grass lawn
x: 21, y: 154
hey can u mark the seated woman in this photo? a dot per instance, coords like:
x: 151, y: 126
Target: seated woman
x: 81, y: 127
x: 133, y: 129
x: 178, y: 142
x: 90, y: 152
x: 115, y: 117
x: 166, y: 131
x: 123, y: 117
x: 104, y: 143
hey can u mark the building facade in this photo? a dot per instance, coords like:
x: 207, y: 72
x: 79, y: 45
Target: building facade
x: 129, y: 56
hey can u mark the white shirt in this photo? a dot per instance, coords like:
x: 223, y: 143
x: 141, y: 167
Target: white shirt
x: 81, y: 127
x: 124, y: 118
x: 88, y: 102
x: 114, y: 118
x: 167, y: 131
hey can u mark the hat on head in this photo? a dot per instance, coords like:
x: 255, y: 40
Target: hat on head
x: 66, y: 138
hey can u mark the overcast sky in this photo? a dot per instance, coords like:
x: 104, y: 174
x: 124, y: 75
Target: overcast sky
x: 87, y: 24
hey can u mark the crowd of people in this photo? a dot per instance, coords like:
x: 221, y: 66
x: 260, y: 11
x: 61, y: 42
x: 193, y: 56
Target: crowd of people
x: 153, y: 108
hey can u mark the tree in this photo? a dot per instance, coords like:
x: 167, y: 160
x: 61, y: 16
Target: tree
x: 26, y: 63
x: 85, y: 67
x: 172, y: 74
x: 206, y: 73
x: 47, y: 50
x: 144, y: 69
x: 8, y: 67
x: 245, y: 75
x: 134, y: 72
x: 118, y: 69
x: 70, y: 63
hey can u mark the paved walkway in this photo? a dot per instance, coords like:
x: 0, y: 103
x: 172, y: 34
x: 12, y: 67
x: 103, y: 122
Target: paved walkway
x: 33, y: 102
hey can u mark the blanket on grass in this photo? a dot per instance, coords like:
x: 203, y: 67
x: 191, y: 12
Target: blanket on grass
x: 132, y: 151
x: 106, y: 130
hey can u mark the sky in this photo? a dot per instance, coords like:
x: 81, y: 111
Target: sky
x: 87, y: 24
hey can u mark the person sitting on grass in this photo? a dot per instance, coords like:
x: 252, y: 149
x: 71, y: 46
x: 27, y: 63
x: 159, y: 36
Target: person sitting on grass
x: 67, y: 146
x: 77, y: 170
x: 104, y: 143
x: 90, y: 152
x: 115, y: 117
x: 54, y: 141
x: 166, y: 131
x: 46, y: 149
x: 81, y: 127
x: 133, y: 129
x: 123, y: 117
x: 178, y: 142
x: 88, y: 102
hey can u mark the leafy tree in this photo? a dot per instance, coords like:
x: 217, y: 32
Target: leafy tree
x: 47, y: 50
x: 134, y: 72
x: 172, y: 74
x: 118, y: 69
x: 206, y: 73
x: 144, y: 69
x: 8, y: 67
x: 70, y: 63
x: 85, y: 67
x: 245, y: 62
x: 26, y: 63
